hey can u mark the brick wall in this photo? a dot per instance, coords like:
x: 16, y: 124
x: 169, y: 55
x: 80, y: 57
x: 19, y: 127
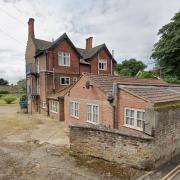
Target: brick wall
x: 112, y: 145
x: 84, y: 96
x: 128, y: 100
x: 132, y: 147
x: 166, y: 126
x: 64, y: 46
x: 94, y: 62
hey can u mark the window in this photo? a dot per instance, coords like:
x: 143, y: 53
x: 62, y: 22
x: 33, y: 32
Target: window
x: 37, y: 65
x: 44, y: 104
x: 64, y: 80
x: 102, y: 64
x: 134, y: 118
x: 53, y: 106
x: 74, y: 109
x: 38, y: 87
x: 64, y: 59
x: 93, y: 113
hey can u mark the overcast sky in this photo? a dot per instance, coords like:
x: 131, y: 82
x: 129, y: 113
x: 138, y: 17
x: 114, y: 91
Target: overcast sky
x: 128, y: 26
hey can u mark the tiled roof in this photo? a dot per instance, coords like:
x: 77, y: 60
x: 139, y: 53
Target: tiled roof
x: 105, y: 82
x: 42, y: 44
x: 88, y: 53
x: 61, y: 93
x: 155, y: 94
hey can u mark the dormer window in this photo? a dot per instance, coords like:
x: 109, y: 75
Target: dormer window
x: 102, y: 64
x: 64, y: 59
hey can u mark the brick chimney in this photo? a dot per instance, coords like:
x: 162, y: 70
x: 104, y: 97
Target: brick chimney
x: 89, y: 42
x: 31, y: 27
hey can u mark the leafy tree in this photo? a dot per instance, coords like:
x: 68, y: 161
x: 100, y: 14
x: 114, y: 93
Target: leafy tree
x: 3, y: 81
x: 130, y: 67
x: 166, y: 51
x: 22, y: 86
x: 145, y: 74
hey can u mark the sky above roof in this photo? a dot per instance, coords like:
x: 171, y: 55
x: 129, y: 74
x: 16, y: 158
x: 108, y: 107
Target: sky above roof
x: 128, y: 27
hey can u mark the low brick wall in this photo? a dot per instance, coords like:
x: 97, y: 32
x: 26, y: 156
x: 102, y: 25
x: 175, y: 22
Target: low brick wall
x: 113, y: 145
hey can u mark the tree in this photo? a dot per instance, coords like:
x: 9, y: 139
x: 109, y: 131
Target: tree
x: 166, y: 51
x: 3, y: 81
x: 22, y: 86
x: 130, y: 67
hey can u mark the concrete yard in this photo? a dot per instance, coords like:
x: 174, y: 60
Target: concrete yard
x: 36, y: 147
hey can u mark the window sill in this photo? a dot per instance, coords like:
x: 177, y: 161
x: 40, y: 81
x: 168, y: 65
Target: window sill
x: 74, y: 117
x: 54, y: 112
x: 63, y: 65
x: 92, y: 122
x: 133, y: 127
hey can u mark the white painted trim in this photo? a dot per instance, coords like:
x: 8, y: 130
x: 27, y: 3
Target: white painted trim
x: 90, y: 104
x: 65, y: 77
x: 77, y: 117
x: 135, y: 118
x: 69, y: 59
x: 105, y: 61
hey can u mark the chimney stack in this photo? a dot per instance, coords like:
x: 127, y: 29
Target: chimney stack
x: 89, y: 42
x: 31, y: 27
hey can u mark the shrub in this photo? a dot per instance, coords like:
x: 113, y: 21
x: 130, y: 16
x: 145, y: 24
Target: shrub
x: 1, y: 95
x: 9, y: 99
x: 4, y: 92
x: 172, y: 79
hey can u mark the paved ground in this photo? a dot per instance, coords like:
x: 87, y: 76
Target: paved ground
x: 36, y: 147
x: 163, y: 170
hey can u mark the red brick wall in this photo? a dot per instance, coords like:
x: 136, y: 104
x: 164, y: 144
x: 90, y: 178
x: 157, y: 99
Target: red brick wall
x: 84, y: 96
x: 94, y: 62
x: 85, y: 68
x: 130, y: 101
x: 64, y: 46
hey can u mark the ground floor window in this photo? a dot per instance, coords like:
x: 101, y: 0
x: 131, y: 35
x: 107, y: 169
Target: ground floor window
x: 134, y: 118
x: 74, y: 109
x: 53, y: 106
x: 44, y: 104
x: 93, y: 113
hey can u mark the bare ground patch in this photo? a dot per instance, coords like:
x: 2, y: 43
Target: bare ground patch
x: 36, y: 147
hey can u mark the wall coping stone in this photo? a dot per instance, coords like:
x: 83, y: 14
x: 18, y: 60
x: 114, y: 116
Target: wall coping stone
x: 122, y: 131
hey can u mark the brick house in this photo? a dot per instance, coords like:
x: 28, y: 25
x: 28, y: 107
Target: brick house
x: 116, y: 102
x: 52, y: 67
x: 124, y: 120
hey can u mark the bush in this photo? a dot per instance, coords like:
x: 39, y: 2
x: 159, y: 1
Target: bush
x: 9, y: 99
x: 172, y: 79
x: 1, y: 95
x: 4, y: 92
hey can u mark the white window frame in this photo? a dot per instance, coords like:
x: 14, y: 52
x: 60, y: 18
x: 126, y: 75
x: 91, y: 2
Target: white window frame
x: 37, y: 65
x: 74, y: 107
x: 54, y: 106
x: 65, y: 78
x: 44, y: 105
x: 135, y: 118
x: 91, y: 120
x: 102, y: 61
x: 38, y: 86
x: 62, y: 57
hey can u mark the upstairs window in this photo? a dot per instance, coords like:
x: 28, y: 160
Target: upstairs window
x: 64, y: 59
x: 102, y: 64
x: 134, y: 118
x: 65, y: 80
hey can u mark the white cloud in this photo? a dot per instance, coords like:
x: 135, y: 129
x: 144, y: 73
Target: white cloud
x: 127, y: 26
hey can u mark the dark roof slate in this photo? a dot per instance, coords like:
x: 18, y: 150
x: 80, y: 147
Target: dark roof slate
x: 88, y: 53
x: 42, y: 44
